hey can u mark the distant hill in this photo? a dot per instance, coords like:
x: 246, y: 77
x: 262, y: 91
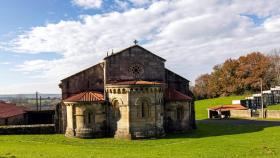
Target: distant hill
x: 28, y: 96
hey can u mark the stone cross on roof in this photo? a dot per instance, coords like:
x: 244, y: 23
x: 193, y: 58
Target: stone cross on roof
x: 135, y: 42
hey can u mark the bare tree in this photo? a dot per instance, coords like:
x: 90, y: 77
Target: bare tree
x: 275, y: 64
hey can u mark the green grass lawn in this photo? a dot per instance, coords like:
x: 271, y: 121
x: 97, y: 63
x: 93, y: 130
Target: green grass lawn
x: 202, y: 105
x: 274, y: 107
x: 209, y: 140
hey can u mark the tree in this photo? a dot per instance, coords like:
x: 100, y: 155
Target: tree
x: 252, y: 68
x: 201, y: 84
x: 228, y: 81
x: 238, y: 76
x: 274, y: 71
x: 214, y: 82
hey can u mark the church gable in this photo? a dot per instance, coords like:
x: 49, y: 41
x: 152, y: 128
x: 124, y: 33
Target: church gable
x: 135, y: 49
x: 90, y: 79
x: 134, y: 63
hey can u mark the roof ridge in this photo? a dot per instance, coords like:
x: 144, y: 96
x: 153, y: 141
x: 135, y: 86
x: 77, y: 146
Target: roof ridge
x: 136, y: 45
x: 83, y: 70
x: 176, y: 73
x: 173, y: 94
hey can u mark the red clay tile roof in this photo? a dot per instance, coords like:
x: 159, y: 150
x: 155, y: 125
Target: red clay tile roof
x: 86, y: 97
x: 174, y: 95
x: 8, y: 110
x: 136, y: 83
x: 228, y: 107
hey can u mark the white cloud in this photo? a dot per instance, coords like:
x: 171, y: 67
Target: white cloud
x: 87, y: 4
x: 191, y: 36
x: 272, y: 24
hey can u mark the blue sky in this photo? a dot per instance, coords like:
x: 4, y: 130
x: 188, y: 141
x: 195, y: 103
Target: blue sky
x: 43, y: 41
x: 18, y: 16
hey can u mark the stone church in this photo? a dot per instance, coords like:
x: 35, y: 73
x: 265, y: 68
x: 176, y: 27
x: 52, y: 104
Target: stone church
x: 129, y: 95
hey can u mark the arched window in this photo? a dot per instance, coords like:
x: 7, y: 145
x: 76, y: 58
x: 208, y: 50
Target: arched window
x: 88, y: 118
x: 180, y: 113
x: 116, y: 109
x: 145, y: 109
x: 116, y: 104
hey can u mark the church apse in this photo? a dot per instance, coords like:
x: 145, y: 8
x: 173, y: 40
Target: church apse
x: 86, y: 115
x: 141, y: 114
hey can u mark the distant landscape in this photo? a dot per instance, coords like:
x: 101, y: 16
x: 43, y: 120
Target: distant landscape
x: 30, y: 99
x: 8, y: 96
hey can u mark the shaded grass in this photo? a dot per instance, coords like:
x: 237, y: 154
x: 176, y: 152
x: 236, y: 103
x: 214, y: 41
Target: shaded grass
x: 209, y: 140
x: 202, y: 105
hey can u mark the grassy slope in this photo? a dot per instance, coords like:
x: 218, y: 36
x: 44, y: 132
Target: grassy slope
x: 274, y: 107
x: 209, y: 140
x: 202, y: 105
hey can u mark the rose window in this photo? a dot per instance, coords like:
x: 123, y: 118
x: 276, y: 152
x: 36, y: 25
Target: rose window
x: 136, y: 70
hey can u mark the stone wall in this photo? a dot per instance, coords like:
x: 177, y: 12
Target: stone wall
x: 14, y: 120
x: 86, y: 120
x: 177, y: 116
x: 118, y: 118
x: 90, y: 120
x: 28, y: 129
x: 117, y: 66
x: 272, y: 114
x: 60, y: 118
x: 240, y: 113
x: 151, y: 123
x: 132, y: 122
x: 91, y: 79
x: 2, y: 121
x: 173, y: 80
x: 247, y: 113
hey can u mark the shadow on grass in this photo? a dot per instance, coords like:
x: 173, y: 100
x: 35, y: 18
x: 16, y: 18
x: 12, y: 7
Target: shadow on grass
x: 211, y: 128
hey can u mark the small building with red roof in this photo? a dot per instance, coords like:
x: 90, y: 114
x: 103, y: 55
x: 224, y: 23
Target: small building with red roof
x: 224, y: 111
x: 10, y: 114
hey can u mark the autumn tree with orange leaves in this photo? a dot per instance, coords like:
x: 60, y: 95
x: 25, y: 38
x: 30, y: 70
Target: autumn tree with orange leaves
x: 239, y: 76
